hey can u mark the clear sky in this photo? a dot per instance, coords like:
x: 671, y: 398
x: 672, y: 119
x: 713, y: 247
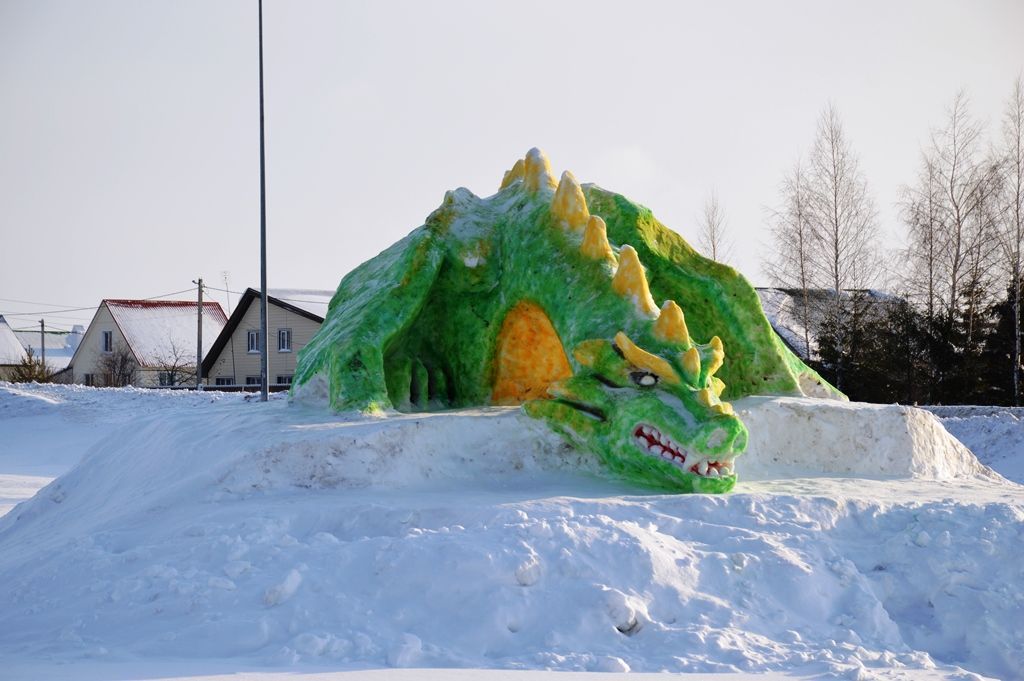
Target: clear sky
x: 129, y: 129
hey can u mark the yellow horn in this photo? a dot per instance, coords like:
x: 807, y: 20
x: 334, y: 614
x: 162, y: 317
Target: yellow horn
x: 595, y: 240
x: 723, y: 408
x: 709, y: 399
x: 513, y: 175
x: 631, y: 282
x: 691, y: 364
x: 717, y: 355
x: 569, y: 204
x: 671, y: 325
x: 642, y: 359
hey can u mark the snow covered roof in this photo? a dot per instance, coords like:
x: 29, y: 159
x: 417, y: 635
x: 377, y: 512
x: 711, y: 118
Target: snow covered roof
x: 784, y: 309
x: 784, y: 314
x: 162, y: 331
x: 11, y: 350
x: 60, y: 345
x: 314, y: 301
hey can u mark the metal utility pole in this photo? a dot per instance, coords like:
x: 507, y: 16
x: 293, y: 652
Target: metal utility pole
x: 264, y: 385
x: 42, y: 341
x: 199, y: 338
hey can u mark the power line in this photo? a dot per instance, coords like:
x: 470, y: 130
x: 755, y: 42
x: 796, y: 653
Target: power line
x: 168, y: 295
x: 31, y: 302
x: 225, y: 290
x: 52, y: 330
x: 93, y: 307
x: 70, y: 309
x: 47, y: 315
x: 287, y: 300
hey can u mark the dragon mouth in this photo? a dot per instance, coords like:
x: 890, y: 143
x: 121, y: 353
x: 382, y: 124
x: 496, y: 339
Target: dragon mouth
x: 654, y: 443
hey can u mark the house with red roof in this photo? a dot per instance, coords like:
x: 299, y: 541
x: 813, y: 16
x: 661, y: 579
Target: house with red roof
x: 145, y: 343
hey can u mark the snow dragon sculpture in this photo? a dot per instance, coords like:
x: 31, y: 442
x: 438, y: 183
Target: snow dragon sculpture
x: 537, y: 296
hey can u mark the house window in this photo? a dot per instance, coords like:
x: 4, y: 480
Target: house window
x: 166, y: 378
x: 224, y: 380
x: 107, y: 341
x: 90, y: 379
x: 253, y: 380
x: 254, y: 340
x: 284, y: 380
x: 284, y: 340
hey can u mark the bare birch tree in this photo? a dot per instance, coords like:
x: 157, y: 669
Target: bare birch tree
x: 792, y: 266
x: 1011, y: 231
x: 844, y: 222
x: 956, y: 153
x: 982, y: 257
x: 923, y: 214
x: 712, y: 238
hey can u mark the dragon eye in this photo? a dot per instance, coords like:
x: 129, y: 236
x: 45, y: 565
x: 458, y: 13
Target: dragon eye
x: 643, y: 378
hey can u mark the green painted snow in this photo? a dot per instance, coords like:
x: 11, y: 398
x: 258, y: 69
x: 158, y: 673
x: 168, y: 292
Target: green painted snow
x: 415, y: 327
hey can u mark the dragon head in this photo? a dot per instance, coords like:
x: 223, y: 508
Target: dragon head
x: 653, y: 416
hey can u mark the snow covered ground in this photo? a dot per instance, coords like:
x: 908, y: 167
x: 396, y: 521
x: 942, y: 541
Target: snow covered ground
x: 995, y: 434
x: 201, y: 535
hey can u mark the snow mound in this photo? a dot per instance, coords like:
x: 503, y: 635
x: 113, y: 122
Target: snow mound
x: 281, y: 536
x: 21, y: 402
x: 800, y: 436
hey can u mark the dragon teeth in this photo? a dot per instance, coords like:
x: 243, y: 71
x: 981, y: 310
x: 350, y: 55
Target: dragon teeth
x: 662, y: 446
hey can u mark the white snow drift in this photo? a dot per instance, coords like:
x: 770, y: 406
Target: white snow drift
x: 861, y: 540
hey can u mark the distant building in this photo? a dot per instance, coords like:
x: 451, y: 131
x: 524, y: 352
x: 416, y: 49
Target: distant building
x: 293, y: 317
x: 12, y: 353
x: 784, y: 309
x: 15, y: 345
x: 60, y: 345
x: 155, y: 338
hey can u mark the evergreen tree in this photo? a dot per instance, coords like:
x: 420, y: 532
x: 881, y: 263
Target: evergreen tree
x: 1000, y: 349
x: 31, y: 368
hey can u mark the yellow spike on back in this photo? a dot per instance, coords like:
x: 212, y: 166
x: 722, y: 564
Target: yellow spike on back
x: 717, y: 355
x: 595, y: 240
x: 631, y: 282
x: 516, y: 173
x: 569, y: 204
x: 691, y: 364
x: 716, y: 384
x: 537, y: 171
x: 642, y: 359
x: 671, y: 325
